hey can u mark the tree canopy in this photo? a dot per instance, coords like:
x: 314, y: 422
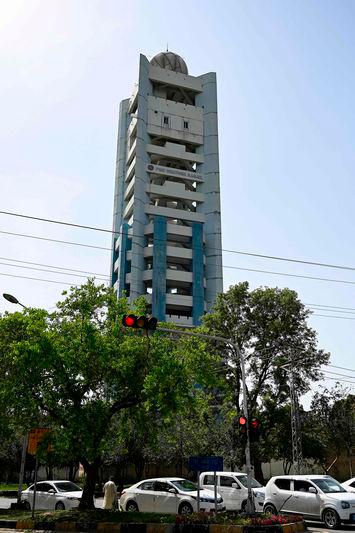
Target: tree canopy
x: 269, y: 327
x: 75, y: 369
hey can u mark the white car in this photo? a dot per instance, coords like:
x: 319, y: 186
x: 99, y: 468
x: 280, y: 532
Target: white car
x: 316, y: 497
x: 349, y: 485
x: 53, y: 495
x: 168, y: 495
x: 232, y: 486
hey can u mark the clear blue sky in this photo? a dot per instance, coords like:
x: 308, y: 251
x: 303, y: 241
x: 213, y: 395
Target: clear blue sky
x: 286, y: 83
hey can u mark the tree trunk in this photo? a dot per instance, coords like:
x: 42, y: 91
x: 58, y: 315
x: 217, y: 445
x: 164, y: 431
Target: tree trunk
x: 91, y: 471
x: 258, y: 471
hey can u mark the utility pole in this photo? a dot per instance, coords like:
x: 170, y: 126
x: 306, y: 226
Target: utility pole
x: 297, y: 457
x: 295, y: 426
x: 250, y: 501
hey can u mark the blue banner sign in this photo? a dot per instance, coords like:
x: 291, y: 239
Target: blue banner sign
x: 206, y: 464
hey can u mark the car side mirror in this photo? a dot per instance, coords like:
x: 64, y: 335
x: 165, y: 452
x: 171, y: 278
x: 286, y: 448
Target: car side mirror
x: 235, y: 486
x: 172, y: 491
x: 51, y: 491
x: 312, y: 490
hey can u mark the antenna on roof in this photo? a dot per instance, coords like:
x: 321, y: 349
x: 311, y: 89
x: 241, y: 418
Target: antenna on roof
x: 167, y: 47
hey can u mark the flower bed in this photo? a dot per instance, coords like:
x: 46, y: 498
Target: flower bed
x: 232, y: 518
x: 102, y: 521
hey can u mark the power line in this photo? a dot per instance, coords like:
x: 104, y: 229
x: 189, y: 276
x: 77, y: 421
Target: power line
x: 334, y: 316
x: 329, y: 280
x: 330, y: 306
x: 38, y: 279
x: 239, y: 252
x: 342, y: 368
x: 52, y: 221
x: 338, y: 374
x: 324, y: 310
x: 224, y: 266
x: 51, y: 266
x: 291, y: 275
x: 50, y: 271
x: 56, y: 240
x: 342, y: 380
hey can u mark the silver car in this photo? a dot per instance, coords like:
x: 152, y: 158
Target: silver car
x: 316, y: 497
x: 53, y: 495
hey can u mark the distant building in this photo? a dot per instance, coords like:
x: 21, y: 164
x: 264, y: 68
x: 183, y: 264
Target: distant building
x: 167, y: 215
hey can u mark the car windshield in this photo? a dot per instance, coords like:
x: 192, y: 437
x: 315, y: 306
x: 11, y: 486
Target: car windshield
x: 244, y: 481
x: 184, y: 484
x: 66, y: 486
x: 328, y: 485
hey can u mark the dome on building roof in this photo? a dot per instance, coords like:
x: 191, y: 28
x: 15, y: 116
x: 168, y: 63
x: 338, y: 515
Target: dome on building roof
x: 170, y: 61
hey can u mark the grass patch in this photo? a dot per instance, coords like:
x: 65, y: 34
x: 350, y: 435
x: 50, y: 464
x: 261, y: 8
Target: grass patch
x: 11, y: 486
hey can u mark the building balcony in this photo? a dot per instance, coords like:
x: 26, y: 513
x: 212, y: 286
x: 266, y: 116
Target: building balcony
x: 128, y: 209
x: 175, y: 214
x: 174, y: 151
x: 185, y: 232
x: 130, y: 170
x: 130, y: 190
x: 131, y: 152
x: 179, y: 320
x: 174, y: 190
x: 179, y: 301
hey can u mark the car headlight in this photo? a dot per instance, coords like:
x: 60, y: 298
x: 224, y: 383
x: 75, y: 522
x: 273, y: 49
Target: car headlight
x: 72, y: 498
x: 206, y: 500
x: 260, y: 495
x: 345, y: 505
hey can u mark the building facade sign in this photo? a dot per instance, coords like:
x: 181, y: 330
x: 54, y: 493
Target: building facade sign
x: 176, y: 172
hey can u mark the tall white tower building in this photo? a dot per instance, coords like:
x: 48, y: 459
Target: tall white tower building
x: 167, y: 216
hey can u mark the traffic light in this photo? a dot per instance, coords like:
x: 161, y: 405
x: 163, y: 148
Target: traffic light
x: 139, y: 322
x: 254, y: 429
x: 242, y: 425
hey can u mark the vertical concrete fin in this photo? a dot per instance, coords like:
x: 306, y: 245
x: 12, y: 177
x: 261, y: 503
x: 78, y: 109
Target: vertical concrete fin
x: 159, y: 268
x: 198, y: 274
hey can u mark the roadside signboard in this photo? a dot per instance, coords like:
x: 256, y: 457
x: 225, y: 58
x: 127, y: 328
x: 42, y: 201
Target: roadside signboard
x: 34, y: 438
x: 202, y: 463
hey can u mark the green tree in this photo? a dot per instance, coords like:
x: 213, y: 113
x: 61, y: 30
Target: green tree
x: 269, y: 326
x: 75, y: 370
x: 334, y: 416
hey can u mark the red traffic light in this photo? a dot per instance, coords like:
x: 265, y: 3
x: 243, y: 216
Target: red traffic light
x: 129, y: 321
x: 139, y: 322
x: 254, y: 424
x: 242, y: 421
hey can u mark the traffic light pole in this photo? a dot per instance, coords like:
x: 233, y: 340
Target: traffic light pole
x: 250, y: 501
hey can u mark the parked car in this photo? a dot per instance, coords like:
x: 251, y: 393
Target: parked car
x: 349, y: 485
x: 168, y: 495
x: 316, y: 497
x: 53, y: 495
x: 232, y: 486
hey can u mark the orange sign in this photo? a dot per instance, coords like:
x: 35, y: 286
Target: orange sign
x: 34, y: 438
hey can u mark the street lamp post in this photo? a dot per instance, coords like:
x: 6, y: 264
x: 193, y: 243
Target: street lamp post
x: 12, y: 299
x: 250, y: 500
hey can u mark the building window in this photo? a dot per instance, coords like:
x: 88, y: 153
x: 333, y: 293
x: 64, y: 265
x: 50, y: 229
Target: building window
x: 166, y: 121
x: 186, y: 125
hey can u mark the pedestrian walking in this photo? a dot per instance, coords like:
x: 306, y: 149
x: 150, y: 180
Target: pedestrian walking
x: 110, y: 494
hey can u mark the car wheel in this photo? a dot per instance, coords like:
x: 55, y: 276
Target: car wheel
x: 60, y: 506
x: 331, y: 519
x: 270, y: 509
x: 26, y: 505
x: 132, y: 507
x: 185, y: 508
x: 244, y: 506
